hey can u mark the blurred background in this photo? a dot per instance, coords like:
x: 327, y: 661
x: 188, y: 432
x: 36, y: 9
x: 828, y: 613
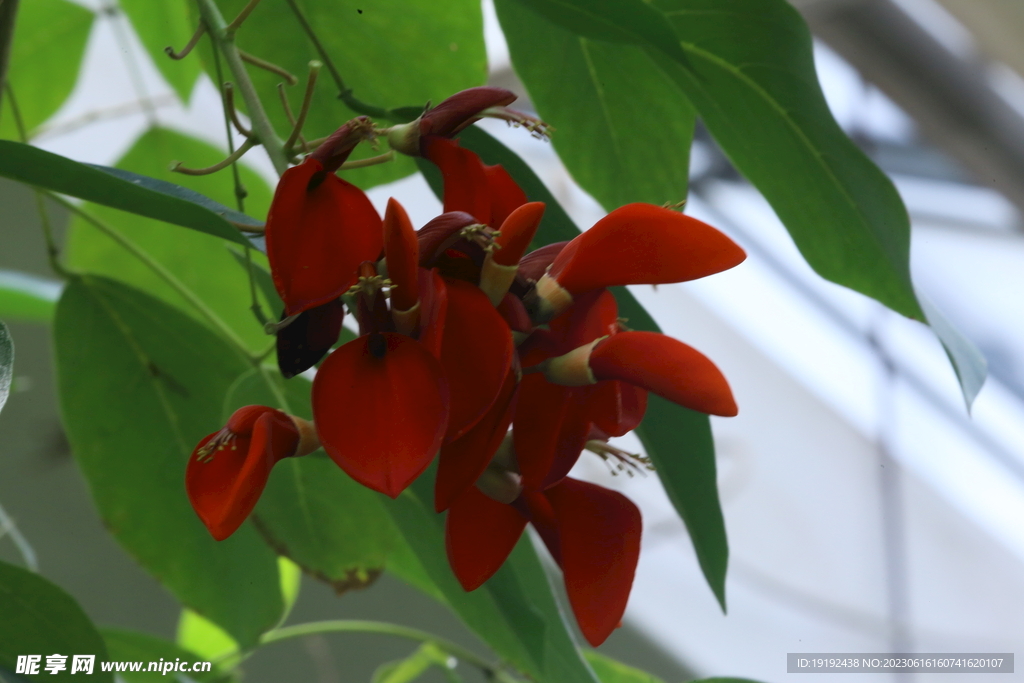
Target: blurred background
x: 867, y: 511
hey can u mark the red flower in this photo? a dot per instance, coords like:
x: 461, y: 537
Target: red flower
x: 592, y: 533
x: 228, y: 470
x: 320, y: 228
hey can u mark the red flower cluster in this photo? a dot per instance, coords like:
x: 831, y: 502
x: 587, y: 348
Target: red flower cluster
x: 463, y: 334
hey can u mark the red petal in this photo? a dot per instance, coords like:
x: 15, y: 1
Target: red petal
x: 466, y: 185
x: 463, y: 460
x: 514, y: 314
x: 594, y: 314
x: 440, y: 233
x: 542, y: 516
x: 402, y: 251
x: 433, y: 310
x: 317, y: 235
x: 476, y: 353
x: 572, y: 435
x: 516, y: 232
x: 381, y: 417
x: 462, y: 108
x: 479, y: 535
x: 504, y: 194
x: 617, y: 407
x: 309, y: 337
x: 540, y: 411
x: 536, y: 263
x: 224, y: 486
x: 644, y: 244
x: 667, y: 367
x: 599, y: 531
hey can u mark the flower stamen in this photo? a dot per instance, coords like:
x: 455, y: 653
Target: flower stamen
x: 619, y: 460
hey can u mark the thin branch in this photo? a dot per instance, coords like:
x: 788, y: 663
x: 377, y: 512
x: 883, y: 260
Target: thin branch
x: 307, y: 100
x: 200, y: 30
x: 229, y: 107
x: 230, y: 29
x: 28, y: 553
x: 369, y: 161
x: 47, y: 132
x: 245, y: 227
x: 235, y: 156
x: 160, y: 271
x: 268, y: 66
x: 291, y: 117
x: 8, y: 13
x: 260, y: 121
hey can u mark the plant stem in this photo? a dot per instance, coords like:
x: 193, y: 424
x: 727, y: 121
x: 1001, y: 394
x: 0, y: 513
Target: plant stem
x: 384, y: 628
x: 28, y: 554
x: 260, y: 122
x: 167, y: 276
x: 230, y: 160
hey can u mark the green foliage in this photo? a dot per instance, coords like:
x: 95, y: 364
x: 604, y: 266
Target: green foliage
x: 209, y: 641
x: 200, y: 263
x: 128, y: 646
x: 49, y: 44
x: 39, y: 618
x: 27, y: 297
x: 610, y: 671
x: 34, y: 166
x: 132, y: 428
x: 311, y: 511
x: 6, y: 363
x: 425, y: 657
x: 166, y: 24
x: 622, y: 127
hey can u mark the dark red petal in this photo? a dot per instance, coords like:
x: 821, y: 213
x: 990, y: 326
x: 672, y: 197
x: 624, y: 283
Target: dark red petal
x: 462, y: 108
x: 536, y: 263
x: 592, y: 315
x: 402, y: 251
x: 617, y: 407
x: 667, y: 367
x: 319, y: 229
x: 542, y: 516
x: 514, y: 314
x: 644, y: 244
x: 309, y: 337
x: 539, y: 346
x: 440, y: 233
x: 333, y: 151
x: 479, y: 535
x: 433, y: 310
x: 224, y: 486
x: 476, y: 353
x: 599, y: 531
x: 505, y: 195
x: 516, y: 232
x: 381, y: 408
x: 540, y: 411
x: 466, y: 187
x: 572, y: 435
x: 463, y: 460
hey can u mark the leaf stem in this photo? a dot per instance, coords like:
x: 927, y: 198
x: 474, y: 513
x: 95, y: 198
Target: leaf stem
x: 232, y: 158
x: 192, y: 42
x: 307, y: 100
x: 268, y: 66
x: 229, y: 106
x: 385, y: 628
x: 161, y: 271
x: 260, y: 122
x: 242, y: 16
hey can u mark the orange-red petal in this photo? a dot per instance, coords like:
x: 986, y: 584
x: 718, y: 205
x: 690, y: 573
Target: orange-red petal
x: 466, y: 186
x: 505, y: 195
x: 319, y: 229
x: 381, y: 408
x: 666, y: 367
x: 479, y: 535
x: 644, y: 244
x: 476, y: 352
x: 599, y: 534
x: 402, y: 251
x: 225, y: 483
x: 540, y: 411
x: 617, y: 407
x: 516, y: 233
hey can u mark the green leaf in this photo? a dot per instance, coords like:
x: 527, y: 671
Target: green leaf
x: 166, y: 24
x: 133, y: 427
x: 24, y: 296
x: 609, y: 670
x: 391, y: 53
x: 311, y: 511
x: 622, y: 127
x: 201, y: 264
x: 39, y: 618
x: 615, y: 21
x: 6, y: 363
x: 129, y: 646
x: 264, y: 281
x: 412, y: 667
x: 968, y: 362
x: 725, y: 680
x: 514, y: 612
x: 50, y: 171
x: 209, y: 641
x: 49, y: 44
x: 678, y: 440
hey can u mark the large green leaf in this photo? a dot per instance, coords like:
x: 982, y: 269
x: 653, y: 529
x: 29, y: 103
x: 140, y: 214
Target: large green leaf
x: 140, y: 384
x: 514, y: 612
x: 311, y: 511
x: 24, y: 296
x: 391, y: 53
x: 201, y: 264
x: 41, y: 619
x: 622, y: 127
x: 6, y: 363
x: 166, y: 24
x: 49, y: 43
x: 610, y: 671
x: 129, y: 646
x: 50, y: 171
x: 678, y: 440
